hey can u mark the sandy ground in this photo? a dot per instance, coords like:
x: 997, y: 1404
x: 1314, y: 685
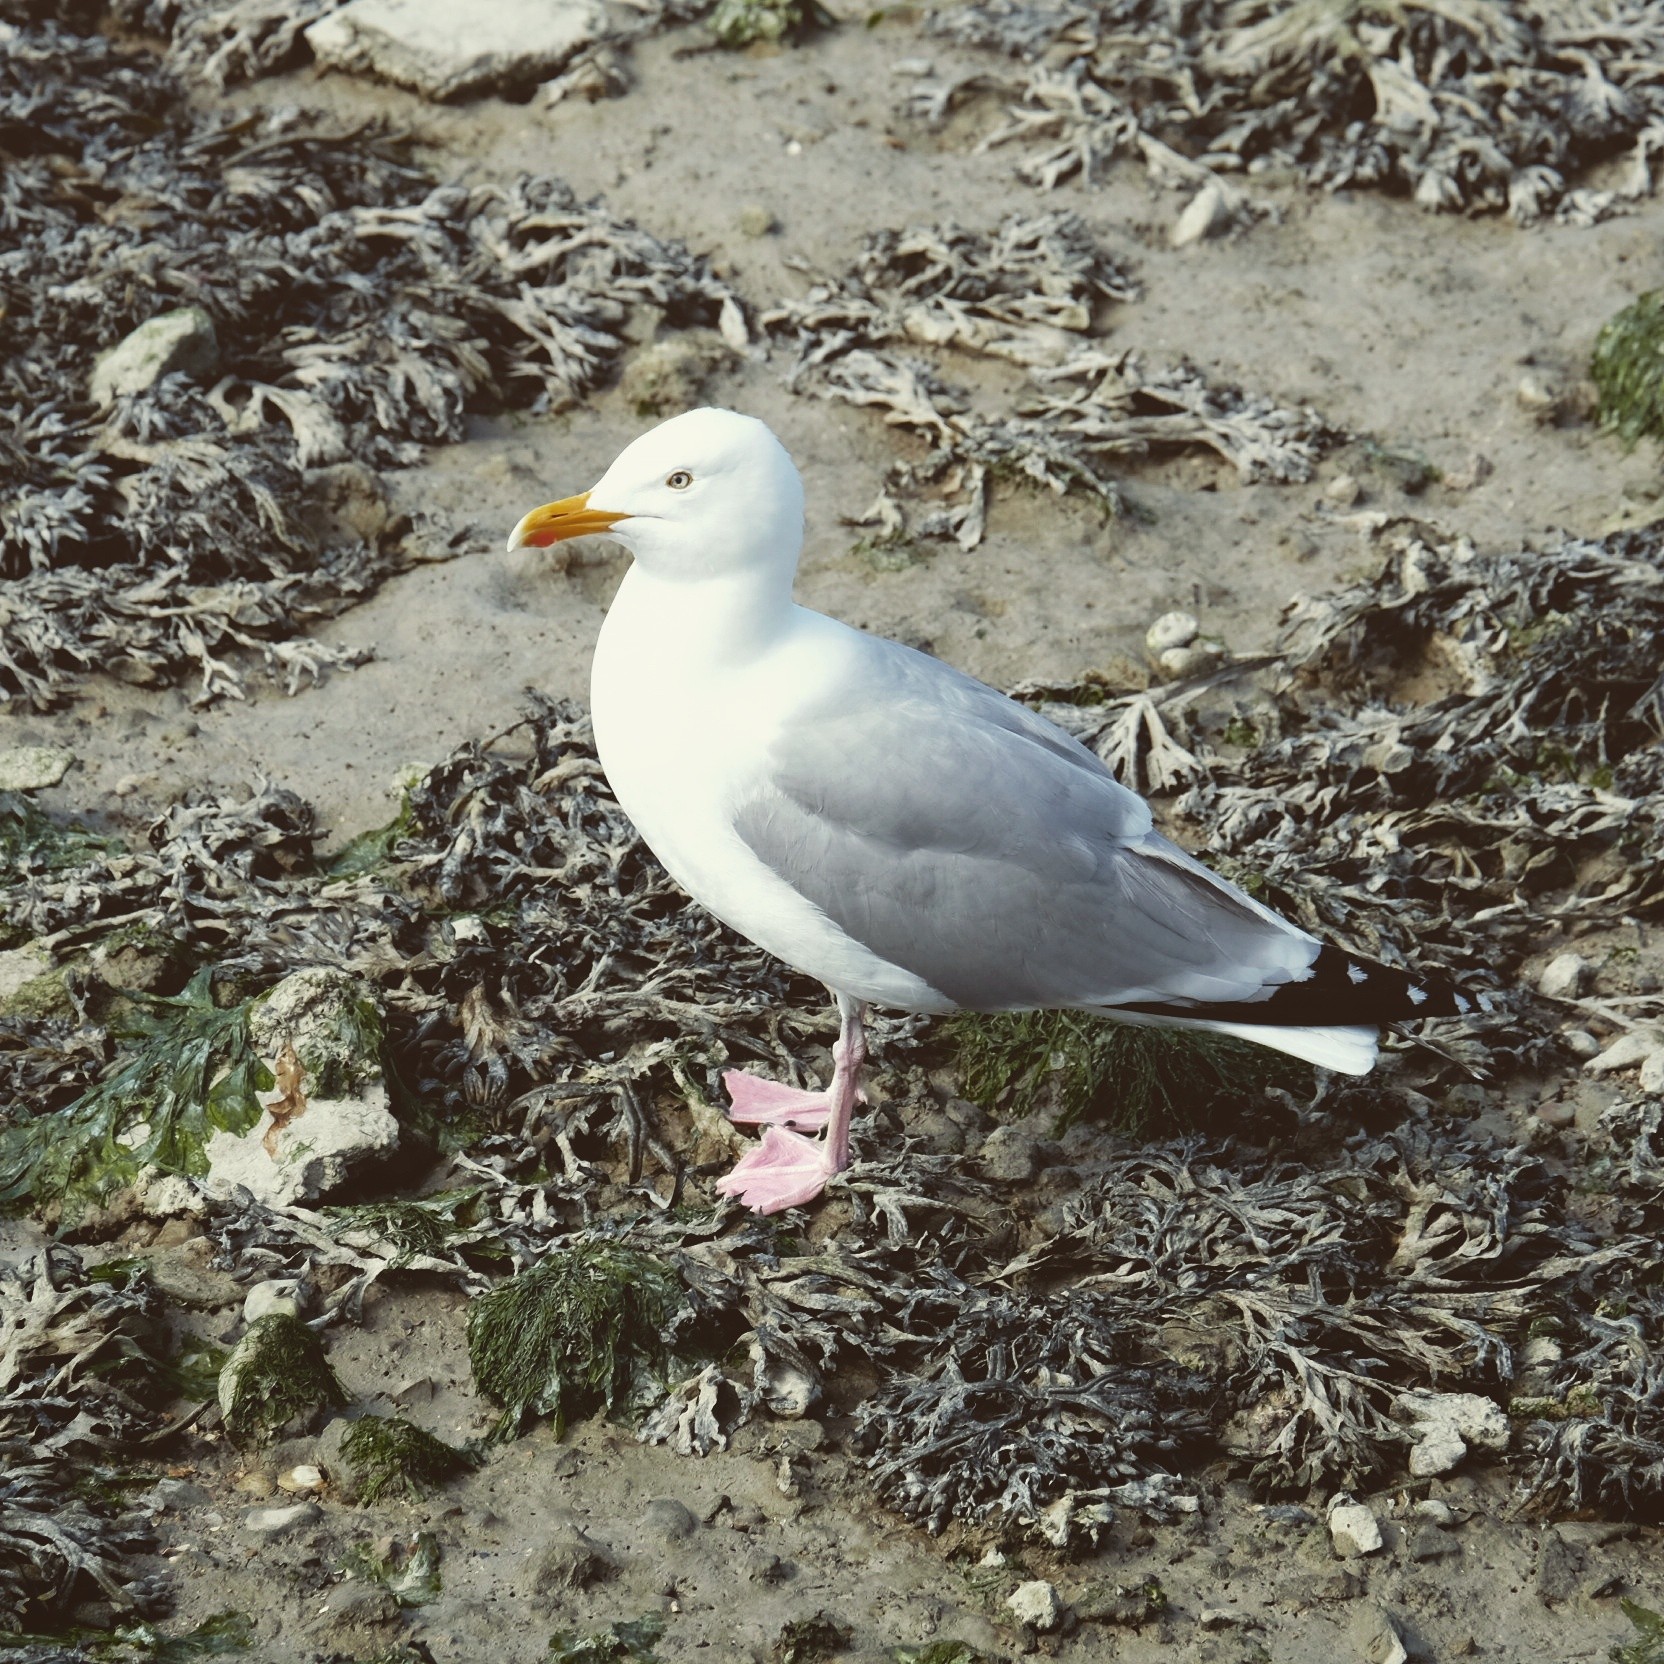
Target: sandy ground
x: 1415, y: 331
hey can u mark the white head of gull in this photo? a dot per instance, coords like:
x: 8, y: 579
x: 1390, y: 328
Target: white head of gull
x: 891, y: 826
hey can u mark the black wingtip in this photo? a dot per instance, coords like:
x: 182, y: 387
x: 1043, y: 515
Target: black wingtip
x: 1341, y: 991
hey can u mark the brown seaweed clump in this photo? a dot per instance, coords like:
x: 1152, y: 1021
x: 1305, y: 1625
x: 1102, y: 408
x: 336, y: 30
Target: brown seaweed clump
x: 346, y: 307
x: 1466, y: 107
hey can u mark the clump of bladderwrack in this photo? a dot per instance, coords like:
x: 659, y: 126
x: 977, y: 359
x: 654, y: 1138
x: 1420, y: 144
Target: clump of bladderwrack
x: 1466, y: 108
x: 348, y: 308
x: 1628, y: 369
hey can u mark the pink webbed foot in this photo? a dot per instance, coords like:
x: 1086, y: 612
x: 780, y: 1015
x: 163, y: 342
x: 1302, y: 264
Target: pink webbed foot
x: 758, y: 1102
x: 784, y: 1171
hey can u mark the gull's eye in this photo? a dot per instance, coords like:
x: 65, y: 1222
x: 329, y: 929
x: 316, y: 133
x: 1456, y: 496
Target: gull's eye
x: 680, y: 480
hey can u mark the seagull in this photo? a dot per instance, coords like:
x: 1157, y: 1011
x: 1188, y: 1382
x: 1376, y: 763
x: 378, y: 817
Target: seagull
x: 891, y: 826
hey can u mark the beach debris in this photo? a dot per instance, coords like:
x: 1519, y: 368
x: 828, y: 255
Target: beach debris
x: 1628, y: 370
x: 390, y: 1456
x: 280, y: 1521
x: 1467, y: 109
x: 572, y: 1559
x: 277, y: 1373
x: 1036, y: 1604
x: 357, y: 320
x: 508, y: 44
x: 628, y: 1641
x: 406, y: 1567
x: 1171, y: 630
x: 1375, y: 1635
x: 1028, y: 293
x: 1648, y: 1645
x: 318, y: 1034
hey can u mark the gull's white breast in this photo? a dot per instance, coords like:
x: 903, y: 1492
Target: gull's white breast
x: 687, y: 712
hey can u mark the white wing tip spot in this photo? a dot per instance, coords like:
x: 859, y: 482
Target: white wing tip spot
x: 1418, y: 996
x: 1356, y: 974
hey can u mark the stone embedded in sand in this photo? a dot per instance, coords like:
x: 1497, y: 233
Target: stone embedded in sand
x: 1564, y: 976
x: 1008, y: 1155
x: 279, y: 1522
x: 30, y: 768
x: 318, y: 1031
x: 1443, y: 1426
x: 1208, y: 214
x: 1376, y: 1636
x: 1172, y: 629
x: 442, y: 52
x: 1037, y: 1604
x: 182, y: 341
x: 1643, y: 1045
x: 1352, y: 1528
x: 668, y: 376
x: 572, y: 1560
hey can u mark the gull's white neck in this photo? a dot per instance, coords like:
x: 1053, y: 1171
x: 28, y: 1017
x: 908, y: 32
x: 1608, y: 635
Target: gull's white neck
x: 674, y: 625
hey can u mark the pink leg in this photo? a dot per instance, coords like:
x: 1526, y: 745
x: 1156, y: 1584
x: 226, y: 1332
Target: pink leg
x: 786, y: 1169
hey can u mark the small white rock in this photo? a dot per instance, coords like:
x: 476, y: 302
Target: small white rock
x: 1580, y: 1043
x: 301, y: 1480
x: 1352, y: 1528
x: 280, y: 1295
x: 993, y: 1557
x: 1172, y: 629
x: 1435, y: 1512
x: 1564, y: 976
x: 1201, y: 655
x: 1208, y: 214
x: 1439, y: 1450
x: 1376, y: 1636
x: 277, y: 1522
x: 1037, y: 1604
x: 1343, y: 491
x: 179, y: 340
x: 28, y: 768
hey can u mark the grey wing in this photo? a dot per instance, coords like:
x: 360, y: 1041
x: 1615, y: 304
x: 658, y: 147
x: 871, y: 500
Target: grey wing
x: 962, y: 837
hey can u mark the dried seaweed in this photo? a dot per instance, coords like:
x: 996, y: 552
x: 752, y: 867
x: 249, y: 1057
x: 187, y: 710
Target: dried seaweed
x: 361, y: 308
x: 1027, y: 293
x: 1464, y: 107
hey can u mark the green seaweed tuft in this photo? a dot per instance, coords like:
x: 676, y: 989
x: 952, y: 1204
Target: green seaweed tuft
x: 628, y: 1642
x: 410, y: 1227
x: 32, y: 841
x: 1648, y: 1645
x: 741, y: 23
x: 1139, y: 1080
x: 1628, y: 370
x: 190, y: 1072
x: 577, y: 1331
x: 390, y: 1456
x: 372, y: 850
x: 941, y: 1652
x: 408, y: 1570
x: 278, y: 1370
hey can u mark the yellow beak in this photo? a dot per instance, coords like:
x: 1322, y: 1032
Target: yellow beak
x: 555, y: 522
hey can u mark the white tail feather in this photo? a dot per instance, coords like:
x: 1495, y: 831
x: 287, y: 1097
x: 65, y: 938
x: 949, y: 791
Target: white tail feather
x: 1346, y: 1050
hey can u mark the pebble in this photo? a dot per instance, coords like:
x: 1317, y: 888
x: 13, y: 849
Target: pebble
x: 298, y: 1481
x: 1352, y: 1528
x: 1445, y: 1424
x: 1037, y: 1604
x: 1376, y: 1636
x: 180, y: 341
x: 1007, y: 1154
x: 665, y: 1517
x: 1580, y: 1043
x: 1434, y: 1512
x: 1535, y: 394
x: 1437, y: 1451
x: 1559, y: 1569
x: 1564, y: 977
x: 256, y: 1484
x: 278, y: 1522
x: 1343, y: 491
x: 1172, y: 629
x: 29, y: 768
x: 754, y: 220
x: 418, y: 43
x: 1556, y: 1114
x: 280, y: 1295
x: 1207, y: 214
x: 1430, y: 1543
x: 1199, y: 656
x: 572, y: 1560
